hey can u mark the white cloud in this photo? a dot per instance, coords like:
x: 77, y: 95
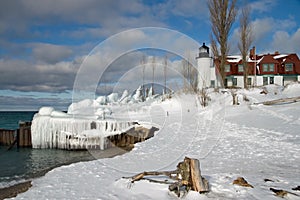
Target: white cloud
x: 261, y: 6
x: 262, y: 27
x: 285, y: 42
x: 50, y: 53
x: 22, y: 75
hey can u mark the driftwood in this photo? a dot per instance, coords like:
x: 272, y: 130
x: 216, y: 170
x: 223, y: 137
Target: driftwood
x: 186, y: 177
x: 242, y: 182
x: 283, y: 100
x: 284, y: 193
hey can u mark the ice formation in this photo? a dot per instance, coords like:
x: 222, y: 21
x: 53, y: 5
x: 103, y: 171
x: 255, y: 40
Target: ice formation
x: 71, y: 133
x: 86, y: 124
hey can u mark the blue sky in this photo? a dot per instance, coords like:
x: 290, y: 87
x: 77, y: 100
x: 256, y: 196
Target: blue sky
x: 43, y: 42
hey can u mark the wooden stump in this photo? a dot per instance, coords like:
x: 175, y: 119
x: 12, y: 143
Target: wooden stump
x: 187, y: 176
x: 189, y: 171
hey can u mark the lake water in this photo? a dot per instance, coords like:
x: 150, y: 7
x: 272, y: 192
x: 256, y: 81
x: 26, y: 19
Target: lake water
x: 25, y: 163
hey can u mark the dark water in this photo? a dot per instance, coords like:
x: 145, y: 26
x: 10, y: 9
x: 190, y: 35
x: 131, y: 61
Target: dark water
x: 26, y: 163
x: 10, y: 119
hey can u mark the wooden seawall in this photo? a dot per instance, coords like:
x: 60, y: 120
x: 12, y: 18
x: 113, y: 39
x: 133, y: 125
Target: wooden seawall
x: 21, y: 136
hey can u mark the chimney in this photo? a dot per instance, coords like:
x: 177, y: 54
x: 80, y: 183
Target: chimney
x: 252, y: 53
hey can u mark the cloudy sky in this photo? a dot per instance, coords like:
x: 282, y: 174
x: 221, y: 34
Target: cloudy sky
x: 43, y: 43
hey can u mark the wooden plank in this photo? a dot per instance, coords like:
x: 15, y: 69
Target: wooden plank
x: 282, y: 100
x: 199, y: 184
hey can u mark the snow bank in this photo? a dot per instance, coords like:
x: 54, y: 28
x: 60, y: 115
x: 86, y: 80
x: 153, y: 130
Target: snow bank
x: 292, y: 90
x: 258, y: 143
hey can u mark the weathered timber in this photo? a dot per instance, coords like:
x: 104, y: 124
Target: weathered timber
x: 242, y: 182
x: 282, y: 100
x: 24, y: 134
x: 7, y: 137
x: 199, y: 184
x: 21, y: 136
x: 284, y: 193
x: 187, y: 176
x: 130, y: 137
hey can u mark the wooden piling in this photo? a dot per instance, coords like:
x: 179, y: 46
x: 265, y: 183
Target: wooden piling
x: 24, y: 134
x: 7, y: 137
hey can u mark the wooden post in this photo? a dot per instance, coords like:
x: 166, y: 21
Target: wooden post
x: 24, y: 135
x: 21, y: 136
x: 18, y: 138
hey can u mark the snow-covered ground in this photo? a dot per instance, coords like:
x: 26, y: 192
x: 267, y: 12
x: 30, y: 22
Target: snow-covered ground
x: 256, y: 142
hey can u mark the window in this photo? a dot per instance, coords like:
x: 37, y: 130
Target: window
x: 265, y: 67
x: 271, y: 80
x: 289, y: 67
x: 212, y: 83
x: 240, y: 68
x: 269, y: 67
x: 227, y: 68
x: 234, y: 81
x: 249, y: 81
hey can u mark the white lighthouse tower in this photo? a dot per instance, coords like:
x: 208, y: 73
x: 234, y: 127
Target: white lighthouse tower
x: 204, y: 67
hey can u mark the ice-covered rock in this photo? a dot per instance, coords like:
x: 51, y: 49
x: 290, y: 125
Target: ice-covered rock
x: 86, y: 107
x: 112, y: 98
x: 125, y: 97
x: 103, y: 112
x: 138, y: 96
x: 45, y: 111
x: 101, y: 100
x: 56, y: 113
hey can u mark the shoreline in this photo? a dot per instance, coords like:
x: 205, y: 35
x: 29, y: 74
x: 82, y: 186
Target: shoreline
x: 18, y: 188
x: 14, y: 190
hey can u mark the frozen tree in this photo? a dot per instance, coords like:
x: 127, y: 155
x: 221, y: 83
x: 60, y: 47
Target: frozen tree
x: 222, y: 16
x: 245, y: 40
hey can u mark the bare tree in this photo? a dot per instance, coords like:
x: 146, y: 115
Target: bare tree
x: 143, y: 63
x: 165, y: 73
x: 245, y: 41
x: 185, y: 74
x: 190, y: 75
x: 153, y: 70
x: 222, y: 16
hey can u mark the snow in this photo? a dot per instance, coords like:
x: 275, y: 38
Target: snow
x: 252, y: 141
x: 101, y: 100
x: 45, y: 111
x: 280, y: 56
x: 112, y: 98
x: 138, y: 94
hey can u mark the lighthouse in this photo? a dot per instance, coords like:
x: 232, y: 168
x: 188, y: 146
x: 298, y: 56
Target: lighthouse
x: 204, y: 68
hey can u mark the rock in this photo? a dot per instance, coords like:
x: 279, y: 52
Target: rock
x: 268, y: 180
x: 280, y: 193
x: 285, y: 194
x: 296, y: 188
x: 242, y: 182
